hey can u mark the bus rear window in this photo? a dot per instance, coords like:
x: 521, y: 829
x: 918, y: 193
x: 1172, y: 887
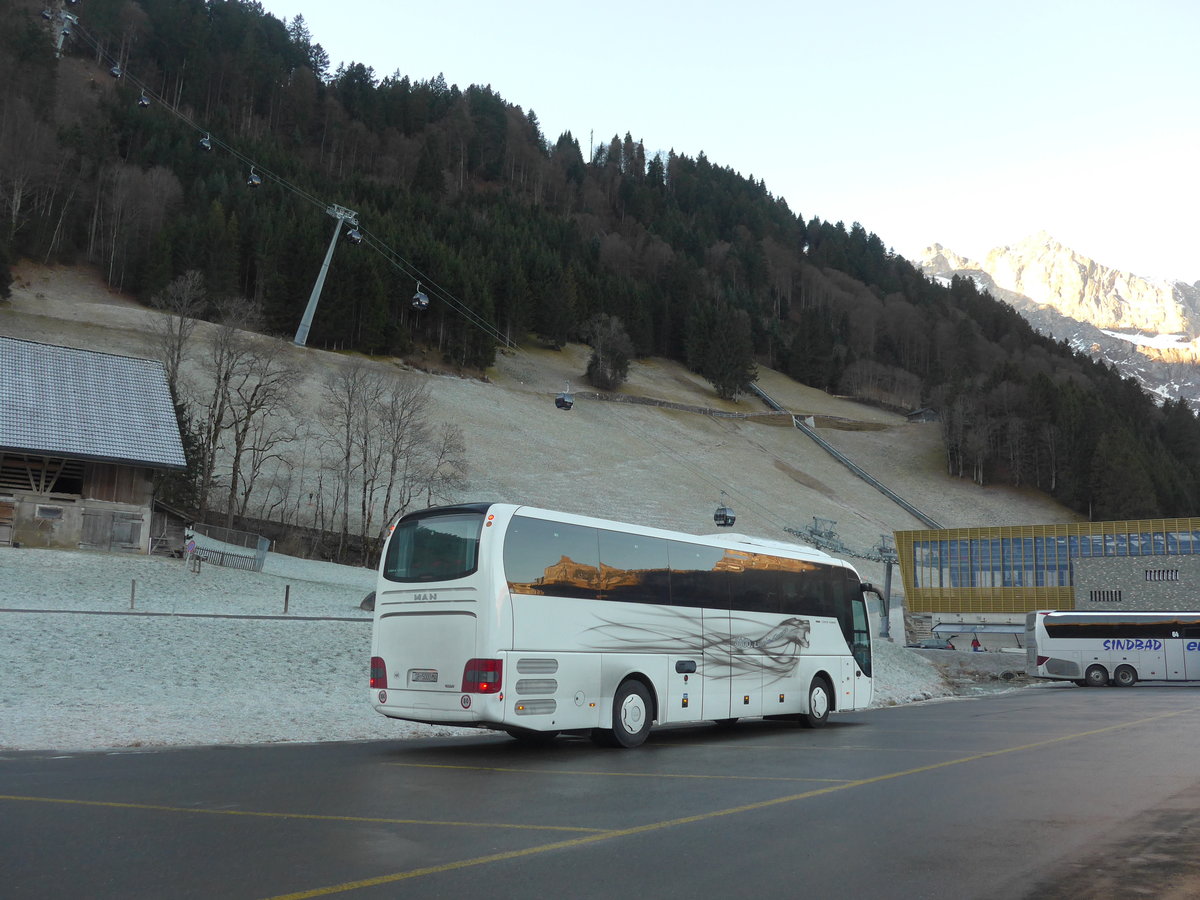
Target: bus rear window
x: 434, y: 548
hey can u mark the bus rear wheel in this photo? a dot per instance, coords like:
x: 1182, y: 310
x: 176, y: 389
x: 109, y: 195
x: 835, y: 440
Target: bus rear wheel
x: 632, y: 716
x: 820, y: 701
x: 1125, y: 676
x: 1096, y: 676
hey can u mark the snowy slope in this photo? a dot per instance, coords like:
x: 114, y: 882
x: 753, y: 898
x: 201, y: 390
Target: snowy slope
x: 194, y: 662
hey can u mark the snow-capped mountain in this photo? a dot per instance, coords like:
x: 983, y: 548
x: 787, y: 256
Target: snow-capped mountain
x: 1147, y: 328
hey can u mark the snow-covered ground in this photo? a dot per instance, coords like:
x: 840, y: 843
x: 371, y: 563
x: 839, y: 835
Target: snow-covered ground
x: 193, y: 663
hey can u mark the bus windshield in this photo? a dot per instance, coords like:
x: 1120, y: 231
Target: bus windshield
x: 434, y: 548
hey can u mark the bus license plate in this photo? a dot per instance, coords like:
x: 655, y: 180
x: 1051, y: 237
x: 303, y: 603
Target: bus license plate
x: 427, y: 675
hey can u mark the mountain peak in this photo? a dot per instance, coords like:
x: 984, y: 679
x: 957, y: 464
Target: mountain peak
x: 1044, y: 271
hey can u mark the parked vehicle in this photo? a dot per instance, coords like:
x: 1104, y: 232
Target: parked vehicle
x: 1095, y: 648
x: 536, y: 622
x: 931, y: 644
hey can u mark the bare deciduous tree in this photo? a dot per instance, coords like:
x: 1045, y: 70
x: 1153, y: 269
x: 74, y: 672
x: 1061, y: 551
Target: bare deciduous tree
x: 349, y: 394
x: 182, y: 301
x: 259, y: 387
x: 383, y: 450
x: 402, y: 424
x: 269, y: 438
x: 447, y: 470
x: 230, y: 352
x: 612, y: 351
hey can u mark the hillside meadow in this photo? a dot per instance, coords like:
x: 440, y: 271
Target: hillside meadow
x: 657, y: 465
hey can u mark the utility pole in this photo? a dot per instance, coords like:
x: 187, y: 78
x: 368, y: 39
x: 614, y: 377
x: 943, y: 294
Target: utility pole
x: 342, y: 215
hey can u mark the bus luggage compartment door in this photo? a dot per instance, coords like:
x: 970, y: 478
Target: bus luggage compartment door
x: 685, y: 680
x: 715, y: 666
x: 749, y: 636
x: 849, y: 684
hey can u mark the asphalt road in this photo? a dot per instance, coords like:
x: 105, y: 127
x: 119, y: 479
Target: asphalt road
x: 1054, y: 792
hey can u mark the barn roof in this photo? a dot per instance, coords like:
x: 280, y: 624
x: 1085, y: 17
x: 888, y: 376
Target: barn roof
x: 82, y: 404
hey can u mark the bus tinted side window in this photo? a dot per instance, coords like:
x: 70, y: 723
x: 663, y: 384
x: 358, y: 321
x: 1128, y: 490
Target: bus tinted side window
x: 756, y: 586
x: 552, y: 558
x: 698, y: 576
x: 1099, y: 628
x: 633, y: 568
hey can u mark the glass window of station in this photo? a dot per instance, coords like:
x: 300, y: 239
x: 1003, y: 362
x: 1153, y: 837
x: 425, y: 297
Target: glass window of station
x: 1045, y: 561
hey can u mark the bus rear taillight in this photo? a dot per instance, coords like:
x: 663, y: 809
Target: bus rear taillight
x: 1042, y: 660
x: 378, y: 672
x: 482, y: 676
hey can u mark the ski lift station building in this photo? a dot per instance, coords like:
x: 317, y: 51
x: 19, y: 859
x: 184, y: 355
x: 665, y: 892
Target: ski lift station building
x: 990, y: 577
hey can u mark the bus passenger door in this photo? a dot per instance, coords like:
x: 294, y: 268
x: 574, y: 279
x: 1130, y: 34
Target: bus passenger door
x: 716, y: 671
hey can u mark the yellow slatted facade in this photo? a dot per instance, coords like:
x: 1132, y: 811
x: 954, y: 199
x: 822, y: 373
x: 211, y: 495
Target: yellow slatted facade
x: 942, y: 574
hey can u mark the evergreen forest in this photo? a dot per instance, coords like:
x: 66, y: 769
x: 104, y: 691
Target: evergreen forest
x: 517, y: 236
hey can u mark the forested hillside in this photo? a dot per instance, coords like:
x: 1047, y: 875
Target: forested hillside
x: 457, y: 190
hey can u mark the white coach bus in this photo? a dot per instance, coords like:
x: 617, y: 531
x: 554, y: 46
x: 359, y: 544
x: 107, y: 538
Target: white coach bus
x: 1097, y: 648
x: 535, y: 623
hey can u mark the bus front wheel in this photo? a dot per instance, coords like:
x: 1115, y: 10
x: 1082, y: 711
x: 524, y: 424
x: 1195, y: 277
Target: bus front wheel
x: 632, y: 716
x: 819, y: 703
x: 1096, y: 676
x: 1125, y: 676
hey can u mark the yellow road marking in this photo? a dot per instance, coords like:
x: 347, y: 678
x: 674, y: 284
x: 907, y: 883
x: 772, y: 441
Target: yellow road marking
x: 309, y: 816
x: 699, y: 817
x: 590, y: 772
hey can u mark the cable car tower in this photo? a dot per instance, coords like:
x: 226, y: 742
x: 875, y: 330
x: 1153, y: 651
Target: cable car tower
x: 820, y: 534
x: 342, y: 215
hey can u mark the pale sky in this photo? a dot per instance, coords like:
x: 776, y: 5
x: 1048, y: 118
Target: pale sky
x: 959, y: 122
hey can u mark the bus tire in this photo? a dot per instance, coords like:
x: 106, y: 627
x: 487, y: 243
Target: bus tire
x: 1125, y: 676
x: 1096, y: 676
x: 820, y: 701
x: 632, y: 716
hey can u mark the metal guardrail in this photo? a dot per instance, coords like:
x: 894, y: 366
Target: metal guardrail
x: 228, y: 548
x: 844, y: 460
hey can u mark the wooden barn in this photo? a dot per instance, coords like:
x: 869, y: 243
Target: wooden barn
x: 82, y: 434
